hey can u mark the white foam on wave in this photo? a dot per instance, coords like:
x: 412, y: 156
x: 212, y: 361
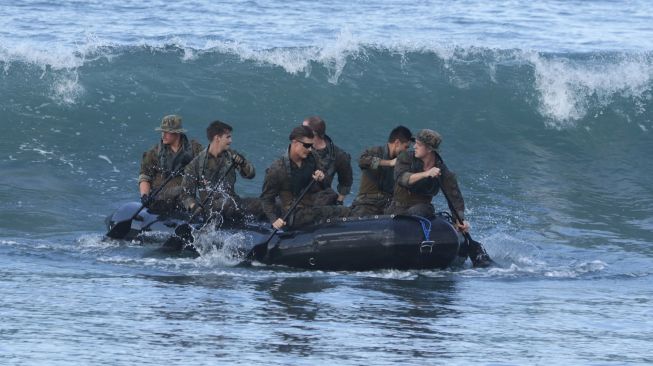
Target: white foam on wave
x: 568, y: 89
x: 333, y: 55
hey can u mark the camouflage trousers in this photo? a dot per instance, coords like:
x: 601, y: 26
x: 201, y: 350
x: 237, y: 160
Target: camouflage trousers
x: 316, y: 215
x: 420, y: 209
x: 167, y: 200
x: 369, y: 205
x: 236, y: 209
x: 326, y: 197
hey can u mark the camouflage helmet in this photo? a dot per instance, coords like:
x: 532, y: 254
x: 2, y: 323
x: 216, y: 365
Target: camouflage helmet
x: 172, y: 124
x: 429, y: 138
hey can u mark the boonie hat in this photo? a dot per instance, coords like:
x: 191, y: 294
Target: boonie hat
x: 172, y: 124
x: 429, y: 138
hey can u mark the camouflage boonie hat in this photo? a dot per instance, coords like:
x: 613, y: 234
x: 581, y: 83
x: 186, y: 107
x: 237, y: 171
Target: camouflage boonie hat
x: 429, y: 138
x: 172, y: 124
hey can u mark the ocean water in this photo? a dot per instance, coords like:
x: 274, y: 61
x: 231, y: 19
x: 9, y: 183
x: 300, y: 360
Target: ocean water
x: 545, y: 109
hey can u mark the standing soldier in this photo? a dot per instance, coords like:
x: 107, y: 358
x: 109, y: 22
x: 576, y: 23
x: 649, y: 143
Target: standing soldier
x: 287, y: 177
x: 213, y: 166
x: 377, y: 178
x: 168, y: 157
x: 334, y: 160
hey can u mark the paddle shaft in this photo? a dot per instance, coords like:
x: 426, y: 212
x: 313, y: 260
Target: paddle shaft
x: 470, y: 241
x: 286, y: 216
x: 184, y: 230
x: 214, y: 188
x: 158, y: 190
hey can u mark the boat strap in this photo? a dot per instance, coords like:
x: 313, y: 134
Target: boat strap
x: 426, y: 226
x: 426, y: 247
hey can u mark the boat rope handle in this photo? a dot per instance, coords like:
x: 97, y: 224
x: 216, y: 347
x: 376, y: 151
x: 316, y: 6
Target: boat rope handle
x: 425, y: 229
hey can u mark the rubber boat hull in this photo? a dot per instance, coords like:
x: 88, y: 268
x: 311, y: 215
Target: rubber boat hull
x: 351, y: 244
x: 392, y: 242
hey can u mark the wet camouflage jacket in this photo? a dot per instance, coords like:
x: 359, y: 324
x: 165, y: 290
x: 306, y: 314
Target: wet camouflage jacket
x: 336, y: 161
x: 376, y: 181
x: 424, y: 190
x: 279, y: 183
x: 206, y: 170
x: 160, y: 161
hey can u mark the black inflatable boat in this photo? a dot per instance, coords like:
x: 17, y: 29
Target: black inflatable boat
x: 356, y: 244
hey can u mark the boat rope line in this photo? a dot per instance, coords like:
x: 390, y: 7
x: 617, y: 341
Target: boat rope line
x: 426, y: 226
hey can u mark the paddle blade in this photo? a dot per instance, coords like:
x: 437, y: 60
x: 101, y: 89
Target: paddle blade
x: 173, y: 244
x: 185, y: 232
x: 257, y: 252
x: 120, y: 230
x: 176, y: 245
x: 478, y: 255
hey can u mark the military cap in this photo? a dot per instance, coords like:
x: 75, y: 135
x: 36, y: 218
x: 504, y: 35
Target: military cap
x: 172, y: 124
x: 429, y: 138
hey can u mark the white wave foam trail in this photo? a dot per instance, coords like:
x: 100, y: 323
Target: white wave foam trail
x: 567, y: 88
x: 333, y: 55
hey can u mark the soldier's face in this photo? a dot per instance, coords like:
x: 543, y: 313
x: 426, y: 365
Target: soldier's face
x: 421, y: 150
x: 223, y: 142
x: 302, y: 147
x: 169, y: 138
x: 399, y: 146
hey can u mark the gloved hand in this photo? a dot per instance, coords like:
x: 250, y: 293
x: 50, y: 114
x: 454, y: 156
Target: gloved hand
x: 238, y: 159
x: 196, y: 210
x: 146, y: 200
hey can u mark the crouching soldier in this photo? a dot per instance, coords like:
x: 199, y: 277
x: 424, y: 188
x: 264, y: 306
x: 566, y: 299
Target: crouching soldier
x: 377, y: 173
x: 213, y: 172
x: 288, y: 176
x: 334, y: 161
x: 164, y: 159
x: 417, y: 182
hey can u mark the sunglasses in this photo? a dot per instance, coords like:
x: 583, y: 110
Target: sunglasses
x: 307, y: 145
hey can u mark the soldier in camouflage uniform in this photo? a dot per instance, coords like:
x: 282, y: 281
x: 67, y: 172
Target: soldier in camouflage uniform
x: 334, y: 160
x: 377, y: 178
x: 416, y: 181
x: 288, y: 176
x: 209, y: 168
x: 167, y: 157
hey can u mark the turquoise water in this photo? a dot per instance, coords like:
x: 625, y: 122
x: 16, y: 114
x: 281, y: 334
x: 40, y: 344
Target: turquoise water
x: 545, y: 113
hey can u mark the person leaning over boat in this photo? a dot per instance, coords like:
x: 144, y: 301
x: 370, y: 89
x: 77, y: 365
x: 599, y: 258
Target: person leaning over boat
x: 416, y: 181
x: 209, y: 168
x: 169, y: 156
x: 288, y: 176
x: 335, y: 161
x: 377, y: 178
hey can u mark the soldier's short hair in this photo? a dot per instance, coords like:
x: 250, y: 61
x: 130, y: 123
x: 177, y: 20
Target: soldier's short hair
x: 217, y: 128
x: 317, y: 124
x: 401, y: 133
x: 301, y: 132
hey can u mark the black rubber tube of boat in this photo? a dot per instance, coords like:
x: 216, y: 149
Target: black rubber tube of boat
x: 120, y: 229
x: 476, y: 252
x: 259, y: 250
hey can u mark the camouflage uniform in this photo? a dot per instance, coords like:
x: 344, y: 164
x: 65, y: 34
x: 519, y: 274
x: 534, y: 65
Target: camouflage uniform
x: 377, y: 183
x: 335, y: 161
x: 284, y: 180
x: 204, y: 172
x: 157, y: 165
x: 416, y: 199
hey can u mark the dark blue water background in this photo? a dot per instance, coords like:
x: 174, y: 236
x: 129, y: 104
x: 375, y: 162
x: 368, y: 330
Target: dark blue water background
x: 549, y: 133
